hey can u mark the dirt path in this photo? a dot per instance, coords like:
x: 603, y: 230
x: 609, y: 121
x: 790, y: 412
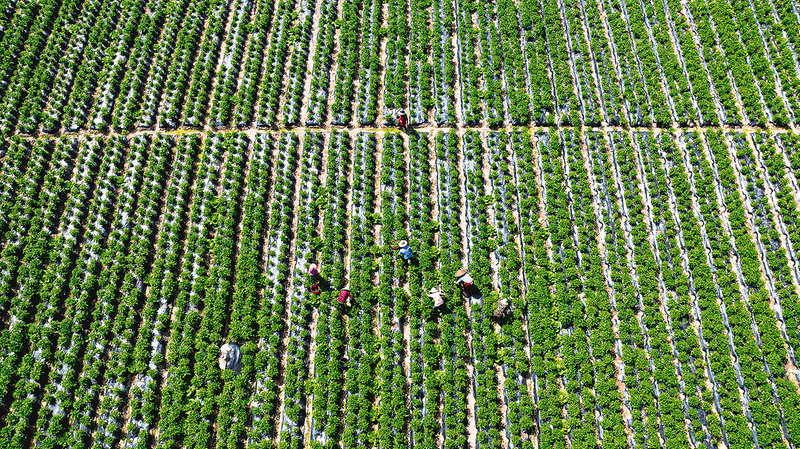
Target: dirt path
x: 252, y: 131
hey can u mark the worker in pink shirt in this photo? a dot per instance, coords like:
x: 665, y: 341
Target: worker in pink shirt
x: 436, y: 295
x: 313, y: 271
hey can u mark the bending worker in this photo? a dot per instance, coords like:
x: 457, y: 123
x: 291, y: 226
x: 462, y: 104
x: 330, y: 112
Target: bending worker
x: 345, y: 296
x: 463, y: 279
x: 313, y: 271
x: 405, y: 250
x: 436, y: 295
x: 402, y: 120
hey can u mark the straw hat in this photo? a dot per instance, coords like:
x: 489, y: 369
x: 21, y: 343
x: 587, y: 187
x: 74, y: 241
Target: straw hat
x: 460, y: 273
x: 401, y: 111
x: 433, y: 291
x: 402, y: 243
x: 346, y: 287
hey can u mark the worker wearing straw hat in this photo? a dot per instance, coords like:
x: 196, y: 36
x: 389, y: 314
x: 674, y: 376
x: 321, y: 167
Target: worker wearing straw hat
x: 402, y: 119
x: 404, y: 249
x: 436, y: 295
x: 463, y: 279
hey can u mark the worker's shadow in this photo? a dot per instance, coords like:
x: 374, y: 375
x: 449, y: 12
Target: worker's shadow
x: 437, y: 312
x: 472, y: 291
x: 324, y: 284
x: 505, y: 318
x: 465, y: 293
x: 316, y: 296
x: 344, y: 309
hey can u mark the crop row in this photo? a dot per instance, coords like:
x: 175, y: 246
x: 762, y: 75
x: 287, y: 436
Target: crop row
x: 72, y: 65
x: 360, y: 354
x: 330, y: 339
x: 650, y: 280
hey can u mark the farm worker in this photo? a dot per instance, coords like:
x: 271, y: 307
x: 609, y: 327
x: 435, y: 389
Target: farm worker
x: 463, y: 279
x: 228, y: 356
x: 405, y: 250
x: 313, y: 271
x: 402, y: 120
x: 501, y: 307
x: 345, y: 296
x: 436, y: 295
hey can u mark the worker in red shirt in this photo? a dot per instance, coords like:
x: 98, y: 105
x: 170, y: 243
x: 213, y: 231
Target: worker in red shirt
x: 345, y: 296
x: 402, y: 120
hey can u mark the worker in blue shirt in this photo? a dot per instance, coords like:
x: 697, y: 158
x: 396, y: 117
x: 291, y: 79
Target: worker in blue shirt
x: 405, y: 250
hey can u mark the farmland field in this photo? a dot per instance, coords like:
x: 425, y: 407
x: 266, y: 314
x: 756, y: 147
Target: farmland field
x: 624, y: 173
